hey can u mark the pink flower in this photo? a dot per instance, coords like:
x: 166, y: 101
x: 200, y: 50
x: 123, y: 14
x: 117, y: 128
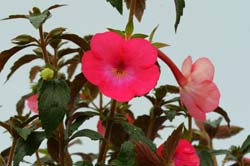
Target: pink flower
x: 184, y: 155
x: 200, y: 94
x: 121, y: 68
x: 32, y: 103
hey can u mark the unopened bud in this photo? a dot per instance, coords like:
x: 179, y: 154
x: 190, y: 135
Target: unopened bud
x: 47, y: 74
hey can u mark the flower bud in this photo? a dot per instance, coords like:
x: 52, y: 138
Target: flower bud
x: 47, y: 74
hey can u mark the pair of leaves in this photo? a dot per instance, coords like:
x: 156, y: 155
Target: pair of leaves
x: 54, y: 97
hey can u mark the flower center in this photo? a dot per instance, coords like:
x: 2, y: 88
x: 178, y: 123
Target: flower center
x: 119, y: 70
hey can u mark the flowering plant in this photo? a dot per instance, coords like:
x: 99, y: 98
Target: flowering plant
x: 97, y: 79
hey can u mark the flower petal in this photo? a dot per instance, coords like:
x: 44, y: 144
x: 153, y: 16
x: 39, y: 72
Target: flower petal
x: 139, y: 52
x: 202, y: 69
x: 187, y: 66
x: 32, y: 103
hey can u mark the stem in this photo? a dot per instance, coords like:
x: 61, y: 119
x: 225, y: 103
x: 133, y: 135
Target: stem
x: 151, y: 124
x: 43, y: 46
x: 132, y: 10
x: 12, y: 150
x: 38, y: 160
x: 61, y: 144
x: 190, y: 126
x: 180, y: 78
x: 101, y: 103
x: 104, y: 145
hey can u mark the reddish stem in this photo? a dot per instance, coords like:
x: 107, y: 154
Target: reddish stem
x: 180, y: 78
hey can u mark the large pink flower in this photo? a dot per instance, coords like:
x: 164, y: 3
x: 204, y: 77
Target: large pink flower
x: 121, y: 68
x: 32, y: 103
x: 184, y: 155
x: 199, y: 94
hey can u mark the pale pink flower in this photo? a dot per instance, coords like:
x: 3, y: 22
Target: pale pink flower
x: 122, y: 69
x: 185, y: 154
x: 32, y: 103
x: 199, y: 94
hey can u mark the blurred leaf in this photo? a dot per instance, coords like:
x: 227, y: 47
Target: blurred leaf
x: 77, y: 40
x: 224, y: 114
x: 16, y: 16
x: 139, y: 35
x: 225, y: 132
x: 145, y: 156
x: 136, y: 134
x: 139, y: 8
x: 5, y: 55
x: 2, y: 162
x: 91, y: 134
x: 151, y: 36
x: 33, y: 72
x: 126, y: 156
x: 54, y: 97
x: 122, y: 33
x: 20, y: 62
x: 160, y: 45
x: 179, y: 6
x: 45, y: 161
x: 23, y: 132
x: 171, y: 144
x: 83, y: 163
x: 53, y: 148
x: 219, y: 152
x: 77, y: 119
x: 116, y: 4
x: 246, y: 145
x: 71, y: 69
x: 61, y: 53
x: 170, y: 114
x: 55, y: 32
x: 38, y: 19
x: 205, y: 158
x: 21, y: 102
x: 56, y: 6
x: 27, y: 147
x: 23, y: 39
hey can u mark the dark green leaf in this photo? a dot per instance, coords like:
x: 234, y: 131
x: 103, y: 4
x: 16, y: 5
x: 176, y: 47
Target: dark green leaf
x: 116, y: 4
x: 20, y: 62
x: 27, y: 147
x: 205, y: 158
x: 170, y: 114
x: 151, y: 36
x: 179, y: 6
x: 61, y: 53
x: 139, y: 35
x: 129, y: 28
x: 21, y: 102
x: 56, y: 6
x: 23, y: 39
x: 139, y: 8
x: 224, y: 114
x: 220, y: 152
x: 136, y: 134
x: 77, y: 40
x: 16, y: 16
x: 122, y: 33
x: 126, y: 156
x: 160, y: 45
x: 33, y: 72
x: 224, y: 131
x: 2, y: 162
x: 77, y: 119
x: 171, y: 144
x: 23, y: 132
x: 91, y: 134
x: 38, y: 19
x: 54, y: 97
x: 83, y: 163
x: 7, y: 54
x: 55, y: 32
x: 246, y: 145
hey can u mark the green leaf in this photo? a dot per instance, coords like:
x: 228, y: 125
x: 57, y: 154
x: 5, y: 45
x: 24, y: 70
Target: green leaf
x: 20, y: 62
x: 136, y: 134
x: 224, y: 114
x: 54, y: 97
x: 151, y: 36
x: 83, y: 163
x: 116, y: 4
x: 246, y: 145
x: 2, y: 162
x: 16, y: 16
x: 126, y: 155
x: 91, y: 134
x: 170, y: 114
x: 27, y: 147
x: 33, y: 72
x: 205, y: 158
x: 23, y: 39
x: 23, y: 132
x: 139, y: 8
x: 129, y: 28
x: 139, y: 35
x: 179, y: 6
x: 214, y: 123
x: 77, y: 119
x: 38, y: 19
x: 160, y: 45
x: 77, y: 40
x: 56, y: 6
x: 55, y: 32
x: 7, y: 54
x: 122, y: 33
x: 220, y: 152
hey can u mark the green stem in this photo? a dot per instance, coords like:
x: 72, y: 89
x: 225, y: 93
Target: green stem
x: 12, y: 150
x: 61, y: 145
x: 107, y: 136
x: 151, y: 124
x: 190, y: 130
x: 43, y: 46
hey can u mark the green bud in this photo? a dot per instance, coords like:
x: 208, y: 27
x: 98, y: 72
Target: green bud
x: 47, y: 74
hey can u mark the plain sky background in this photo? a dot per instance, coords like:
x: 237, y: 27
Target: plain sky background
x: 217, y: 29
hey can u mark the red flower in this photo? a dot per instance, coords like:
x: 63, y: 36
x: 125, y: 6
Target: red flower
x: 198, y: 92
x: 184, y: 155
x: 32, y: 103
x: 121, y: 68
